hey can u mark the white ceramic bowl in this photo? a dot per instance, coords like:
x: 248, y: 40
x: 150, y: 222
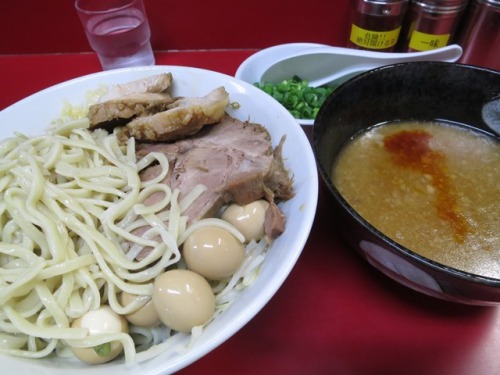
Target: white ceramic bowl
x: 321, y: 64
x: 252, y: 69
x: 34, y: 113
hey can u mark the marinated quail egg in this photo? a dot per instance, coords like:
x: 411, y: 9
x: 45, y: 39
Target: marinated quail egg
x: 101, y: 321
x: 213, y: 252
x: 249, y: 219
x: 145, y: 316
x: 183, y: 299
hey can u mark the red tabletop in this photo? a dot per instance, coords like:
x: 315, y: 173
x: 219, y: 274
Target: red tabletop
x: 334, y: 314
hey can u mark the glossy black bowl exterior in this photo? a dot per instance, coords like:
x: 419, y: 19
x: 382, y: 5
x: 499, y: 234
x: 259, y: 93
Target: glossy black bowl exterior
x: 424, y: 91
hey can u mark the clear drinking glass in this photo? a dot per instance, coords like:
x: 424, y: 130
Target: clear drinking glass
x: 118, y: 31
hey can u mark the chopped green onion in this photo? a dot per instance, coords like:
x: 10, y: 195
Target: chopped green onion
x: 103, y: 350
x: 300, y: 99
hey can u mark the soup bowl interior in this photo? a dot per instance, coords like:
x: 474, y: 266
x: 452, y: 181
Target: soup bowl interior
x: 418, y: 91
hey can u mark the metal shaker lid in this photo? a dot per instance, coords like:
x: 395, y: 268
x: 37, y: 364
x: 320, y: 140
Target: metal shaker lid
x: 441, y: 7
x: 382, y: 7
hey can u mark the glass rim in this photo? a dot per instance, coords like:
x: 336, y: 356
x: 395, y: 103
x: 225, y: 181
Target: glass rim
x: 127, y: 4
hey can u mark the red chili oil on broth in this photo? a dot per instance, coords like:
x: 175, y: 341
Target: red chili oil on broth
x: 432, y: 187
x: 410, y: 149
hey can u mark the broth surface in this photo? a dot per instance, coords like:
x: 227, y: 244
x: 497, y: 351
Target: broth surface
x: 433, y: 188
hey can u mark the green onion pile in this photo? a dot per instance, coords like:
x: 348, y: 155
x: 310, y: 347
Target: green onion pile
x: 301, y: 100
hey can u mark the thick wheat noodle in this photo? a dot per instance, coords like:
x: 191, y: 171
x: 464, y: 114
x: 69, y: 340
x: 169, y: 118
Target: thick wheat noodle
x: 69, y: 204
x: 63, y: 197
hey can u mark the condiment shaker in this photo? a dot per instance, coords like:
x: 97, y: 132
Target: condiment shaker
x: 376, y: 24
x: 430, y: 24
x: 480, y: 34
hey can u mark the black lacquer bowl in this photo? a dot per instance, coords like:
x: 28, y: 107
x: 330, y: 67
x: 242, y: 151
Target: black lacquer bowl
x: 424, y: 91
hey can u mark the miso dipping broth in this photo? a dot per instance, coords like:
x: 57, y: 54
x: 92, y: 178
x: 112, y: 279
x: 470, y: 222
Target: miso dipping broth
x: 434, y: 188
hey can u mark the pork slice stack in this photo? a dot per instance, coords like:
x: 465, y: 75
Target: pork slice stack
x: 127, y: 101
x: 233, y: 159
x: 144, y: 110
x: 236, y: 162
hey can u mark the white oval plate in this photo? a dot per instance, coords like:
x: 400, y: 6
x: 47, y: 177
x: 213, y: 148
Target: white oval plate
x: 33, y: 114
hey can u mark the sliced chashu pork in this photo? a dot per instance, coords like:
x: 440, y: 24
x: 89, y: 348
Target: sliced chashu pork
x: 124, y: 102
x: 235, y: 160
x: 155, y: 83
x: 118, y: 112
x: 181, y: 118
x: 143, y: 110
